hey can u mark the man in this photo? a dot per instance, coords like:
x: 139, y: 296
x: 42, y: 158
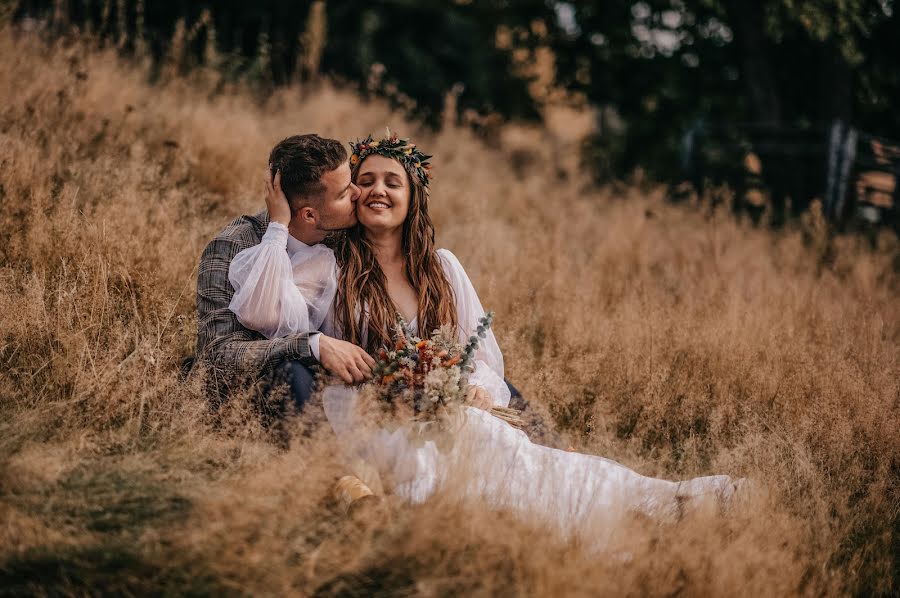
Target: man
x: 315, y: 176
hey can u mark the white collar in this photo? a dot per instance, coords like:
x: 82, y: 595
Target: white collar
x: 295, y: 246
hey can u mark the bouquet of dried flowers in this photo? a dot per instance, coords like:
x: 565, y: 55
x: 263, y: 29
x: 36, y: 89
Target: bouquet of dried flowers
x: 423, y: 383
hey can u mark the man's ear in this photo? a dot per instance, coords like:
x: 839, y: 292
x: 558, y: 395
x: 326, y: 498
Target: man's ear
x: 308, y: 215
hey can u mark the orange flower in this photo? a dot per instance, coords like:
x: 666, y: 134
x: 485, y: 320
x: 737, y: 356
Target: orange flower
x: 354, y: 159
x: 387, y: 379
x: 400, y: 344
x: 421, y: 344
x: 453, y: 361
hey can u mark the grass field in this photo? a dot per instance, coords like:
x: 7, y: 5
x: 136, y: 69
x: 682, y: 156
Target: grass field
x: 671, y: 338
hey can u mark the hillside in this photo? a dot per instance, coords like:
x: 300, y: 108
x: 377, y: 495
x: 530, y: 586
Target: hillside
x: 673, y: 339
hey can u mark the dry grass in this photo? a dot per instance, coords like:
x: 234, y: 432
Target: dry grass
x: 673, y: 339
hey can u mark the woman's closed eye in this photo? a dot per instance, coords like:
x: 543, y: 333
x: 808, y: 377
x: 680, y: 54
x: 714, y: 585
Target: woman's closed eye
x: 369, y: 183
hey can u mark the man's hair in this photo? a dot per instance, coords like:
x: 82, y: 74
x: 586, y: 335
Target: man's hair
x: 303, y: 160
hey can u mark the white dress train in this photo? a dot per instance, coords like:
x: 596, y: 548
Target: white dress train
x: 498, y: 464
x: 489, y: 459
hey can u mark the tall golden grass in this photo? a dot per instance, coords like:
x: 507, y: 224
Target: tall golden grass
x: 671, y: 338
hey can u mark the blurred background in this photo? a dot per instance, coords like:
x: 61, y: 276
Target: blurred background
x: 775, y: 102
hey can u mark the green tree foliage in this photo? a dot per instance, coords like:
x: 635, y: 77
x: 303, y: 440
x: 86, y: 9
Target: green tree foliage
x: 426, y: 48
x: 418, y: 50
x: 667, y: 65
x: 658, y: 68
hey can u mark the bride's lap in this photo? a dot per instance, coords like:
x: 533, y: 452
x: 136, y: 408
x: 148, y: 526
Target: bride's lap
x: 498, y: 464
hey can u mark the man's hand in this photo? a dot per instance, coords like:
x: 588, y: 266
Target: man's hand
x: 478, y: 397
x: 345, y: 360
x: 276, y: 201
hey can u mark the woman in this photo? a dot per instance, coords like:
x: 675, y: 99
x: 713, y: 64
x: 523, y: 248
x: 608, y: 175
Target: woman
x: 388, y: 264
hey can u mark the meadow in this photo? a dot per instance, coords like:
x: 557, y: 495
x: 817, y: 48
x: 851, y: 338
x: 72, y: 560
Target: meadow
x: 672, y: 338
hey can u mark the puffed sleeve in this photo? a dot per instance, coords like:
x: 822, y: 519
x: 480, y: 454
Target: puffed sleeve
x: 488, y: 371
x: 279, y: 295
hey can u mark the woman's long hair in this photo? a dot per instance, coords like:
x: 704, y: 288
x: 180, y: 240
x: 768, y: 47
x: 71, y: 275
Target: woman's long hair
x: 362, y: 298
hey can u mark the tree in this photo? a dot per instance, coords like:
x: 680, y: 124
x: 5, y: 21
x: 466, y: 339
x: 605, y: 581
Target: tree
x: 421, y: 49
x: 424, y: 49
x: 667, y: 65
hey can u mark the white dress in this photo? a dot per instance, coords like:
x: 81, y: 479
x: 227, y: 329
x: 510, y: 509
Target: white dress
x: 489, y: 460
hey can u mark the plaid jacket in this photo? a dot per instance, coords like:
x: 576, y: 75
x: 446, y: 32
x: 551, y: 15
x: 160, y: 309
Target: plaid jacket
x: 232, y: 352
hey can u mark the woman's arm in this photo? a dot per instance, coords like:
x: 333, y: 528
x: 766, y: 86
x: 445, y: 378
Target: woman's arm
x: 488, y: 373
x: 266, y: 298
x: 229, y: 348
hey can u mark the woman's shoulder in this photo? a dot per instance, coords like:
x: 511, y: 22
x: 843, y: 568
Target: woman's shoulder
x: 456, y: 274
x: 449, y: 260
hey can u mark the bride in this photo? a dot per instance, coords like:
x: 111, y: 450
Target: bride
x: 387, y: 264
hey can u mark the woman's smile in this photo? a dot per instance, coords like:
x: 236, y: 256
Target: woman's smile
x: 384, y: 192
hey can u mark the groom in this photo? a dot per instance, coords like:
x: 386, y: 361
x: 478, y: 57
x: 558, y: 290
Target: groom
x: 314, y: 174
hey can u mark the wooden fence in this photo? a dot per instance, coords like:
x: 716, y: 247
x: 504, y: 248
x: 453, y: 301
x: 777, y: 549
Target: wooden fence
x: 853, y: 173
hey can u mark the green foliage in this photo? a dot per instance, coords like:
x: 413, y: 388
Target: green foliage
x: 425, y: 48
x: 657, y: 67
x: 412, y: 52
x: 666, y: 66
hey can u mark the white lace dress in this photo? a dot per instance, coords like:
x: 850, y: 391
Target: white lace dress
x: 490, y: 459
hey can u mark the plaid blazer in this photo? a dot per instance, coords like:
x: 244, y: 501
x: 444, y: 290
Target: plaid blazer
x: 232, y: 352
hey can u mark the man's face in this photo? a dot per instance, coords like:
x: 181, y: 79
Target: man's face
x: 338, y: 210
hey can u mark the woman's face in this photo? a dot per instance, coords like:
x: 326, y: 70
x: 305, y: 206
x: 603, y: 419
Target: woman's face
x: 384, y: 193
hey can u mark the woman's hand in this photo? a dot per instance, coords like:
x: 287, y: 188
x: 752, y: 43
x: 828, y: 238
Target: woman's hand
x: 276, y: 201
x: 478, y: 397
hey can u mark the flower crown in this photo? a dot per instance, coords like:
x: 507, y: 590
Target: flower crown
x: 392, y: 146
